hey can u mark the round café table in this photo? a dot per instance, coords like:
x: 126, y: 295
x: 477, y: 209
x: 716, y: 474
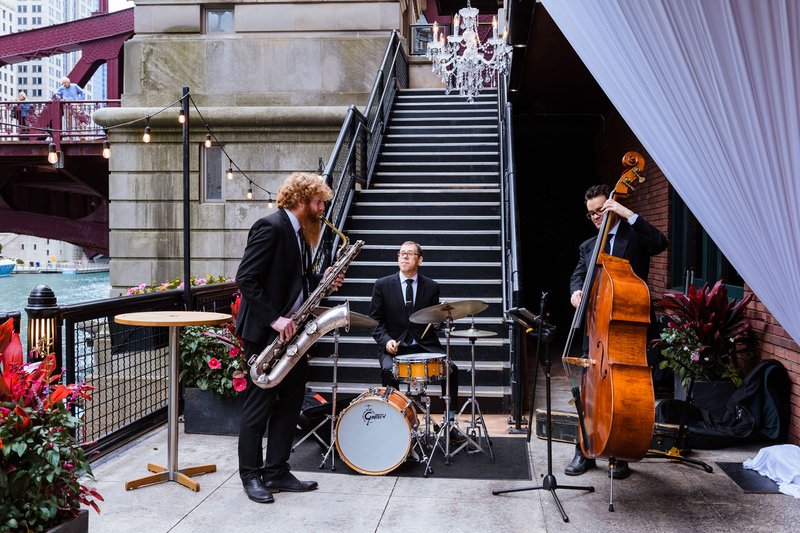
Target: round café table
x: 174, y: 320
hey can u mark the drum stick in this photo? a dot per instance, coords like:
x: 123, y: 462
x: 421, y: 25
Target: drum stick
x: 426, y: 331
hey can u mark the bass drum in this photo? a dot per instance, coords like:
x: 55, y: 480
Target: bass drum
x: 373, y: 434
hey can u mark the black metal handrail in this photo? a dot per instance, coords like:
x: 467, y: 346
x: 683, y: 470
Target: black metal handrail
x: 512, y: 286
x: 127, y: 365
x: 355, y: 153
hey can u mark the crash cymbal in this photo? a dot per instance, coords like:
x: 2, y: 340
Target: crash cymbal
x: 472, y: 333
x: 357, y: 320
x: 441, y: 312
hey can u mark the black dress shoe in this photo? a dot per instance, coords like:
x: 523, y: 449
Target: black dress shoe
x: 257, y: 492
x: 621, y: 470
x: 579, y: 465
x: 289, y: 483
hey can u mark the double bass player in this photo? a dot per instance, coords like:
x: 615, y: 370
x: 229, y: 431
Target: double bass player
x: 631, y: 237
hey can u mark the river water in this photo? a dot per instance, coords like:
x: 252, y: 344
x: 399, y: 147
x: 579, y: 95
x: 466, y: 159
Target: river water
x: 69, y: 289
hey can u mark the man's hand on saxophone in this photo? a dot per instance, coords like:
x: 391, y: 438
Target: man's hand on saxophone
x: 285, y: 328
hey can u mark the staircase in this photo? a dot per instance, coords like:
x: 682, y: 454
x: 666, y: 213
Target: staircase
x: 436, y: 182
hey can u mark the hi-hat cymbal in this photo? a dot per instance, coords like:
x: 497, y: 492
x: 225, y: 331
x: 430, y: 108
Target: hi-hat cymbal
x: 357, y: 320
x: 453, y: 310
x: 472, y: 333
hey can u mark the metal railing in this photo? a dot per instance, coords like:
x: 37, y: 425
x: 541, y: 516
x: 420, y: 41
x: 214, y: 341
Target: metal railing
x: 355, y: 153
x: 512, y: 286
x: 126, y: 365
x: 61, y: 120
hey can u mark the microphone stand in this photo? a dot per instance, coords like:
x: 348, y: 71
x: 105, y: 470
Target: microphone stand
x: 549, y: 481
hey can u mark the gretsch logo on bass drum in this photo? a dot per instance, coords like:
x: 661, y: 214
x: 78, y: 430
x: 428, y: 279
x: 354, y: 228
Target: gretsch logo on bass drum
x: 370, y: 416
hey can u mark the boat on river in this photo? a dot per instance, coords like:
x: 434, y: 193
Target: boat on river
x: 6, y: 266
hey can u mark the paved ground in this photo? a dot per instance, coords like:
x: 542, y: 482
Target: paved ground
x: 659, y: 496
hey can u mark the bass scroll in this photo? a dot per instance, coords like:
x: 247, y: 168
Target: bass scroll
x: 269, y: 367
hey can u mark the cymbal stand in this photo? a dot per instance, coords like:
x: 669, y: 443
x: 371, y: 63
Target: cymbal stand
x: 475, y: 432
x: 447, y: 424
x: 333, y: 416
x: 549, y: 481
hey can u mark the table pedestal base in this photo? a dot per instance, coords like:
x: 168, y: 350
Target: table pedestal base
x: 182, y: 476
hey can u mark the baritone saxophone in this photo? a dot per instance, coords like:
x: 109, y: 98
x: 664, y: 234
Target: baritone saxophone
x: 268, y: 368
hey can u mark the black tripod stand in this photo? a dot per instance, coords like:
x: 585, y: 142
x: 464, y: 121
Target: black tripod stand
x: 531, y: 324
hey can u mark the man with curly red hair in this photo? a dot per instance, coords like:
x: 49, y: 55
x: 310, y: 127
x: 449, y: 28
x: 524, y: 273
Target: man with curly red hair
x: 275, y: 278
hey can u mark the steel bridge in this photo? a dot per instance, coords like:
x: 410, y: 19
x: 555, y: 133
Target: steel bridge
x: 66, y: 200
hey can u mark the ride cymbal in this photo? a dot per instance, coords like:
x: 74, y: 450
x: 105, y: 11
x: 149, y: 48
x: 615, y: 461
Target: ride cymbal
x: 448, y: 310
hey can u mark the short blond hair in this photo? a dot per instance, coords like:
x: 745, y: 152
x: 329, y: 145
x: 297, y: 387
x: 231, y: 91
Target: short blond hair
x: 302, y: 188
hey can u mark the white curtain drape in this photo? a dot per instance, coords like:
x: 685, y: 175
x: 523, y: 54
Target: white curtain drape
x: 712, y: 90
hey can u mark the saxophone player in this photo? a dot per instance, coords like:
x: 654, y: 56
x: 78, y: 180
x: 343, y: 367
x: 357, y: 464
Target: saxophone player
x: 275, y: 278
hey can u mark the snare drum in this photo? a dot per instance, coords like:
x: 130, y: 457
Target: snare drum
x: 422, y: 367
x: 373, y: 434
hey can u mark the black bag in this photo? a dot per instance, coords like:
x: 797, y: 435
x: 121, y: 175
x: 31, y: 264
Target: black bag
x: 758, y: 410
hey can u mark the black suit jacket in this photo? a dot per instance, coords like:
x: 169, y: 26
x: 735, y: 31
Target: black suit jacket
x: 636, y: 243
x: 269, y: 276
x: 389, y: 309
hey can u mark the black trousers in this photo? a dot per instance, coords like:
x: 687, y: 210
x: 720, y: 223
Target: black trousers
x: 388, y: 379
x: 275, y: 411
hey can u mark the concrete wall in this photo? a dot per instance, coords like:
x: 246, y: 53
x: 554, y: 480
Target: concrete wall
x: 274, y: 92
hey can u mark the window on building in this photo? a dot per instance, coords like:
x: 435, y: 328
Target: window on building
x: 34, y: 246
x: 22, y: 68
x: 36, y: 92
x: 693, y: 250
x: 218, y: 20
x: 23, y: 80
x: 36, y: 20
x: 23, y: 246
x: 211, y: 172
x: 22, y: 20
x: 36, y: 81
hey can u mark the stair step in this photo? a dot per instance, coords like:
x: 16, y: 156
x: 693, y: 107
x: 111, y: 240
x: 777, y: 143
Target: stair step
x: 396, y: 237
x: 358, y: 388
x: 426, y: 222
x: 467, y: 195
x: 412, y: 209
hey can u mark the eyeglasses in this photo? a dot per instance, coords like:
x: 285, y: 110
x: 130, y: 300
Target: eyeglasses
x: 591, y: 214
x: 407, y: 255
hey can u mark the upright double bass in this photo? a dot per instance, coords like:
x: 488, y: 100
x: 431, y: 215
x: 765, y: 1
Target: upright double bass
x: 615, y: 405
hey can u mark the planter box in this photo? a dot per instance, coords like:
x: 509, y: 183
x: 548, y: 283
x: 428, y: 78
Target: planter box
x: 711, y: 396
x: 79, y: 524
x: 205, y: 412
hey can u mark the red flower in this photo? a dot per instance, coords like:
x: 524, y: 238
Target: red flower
x: 239, y: 384
x: 233, y: 352
x: 214, y: 364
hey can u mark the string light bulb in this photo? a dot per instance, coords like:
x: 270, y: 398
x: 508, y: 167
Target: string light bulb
x: 269, y: 202
x: 229, y: 172
x: 106, y: 149
x: 52, y: 155
x: 146, y: 136
x: 208, y: 140
x: 250, y: 191
x: 181, y: 116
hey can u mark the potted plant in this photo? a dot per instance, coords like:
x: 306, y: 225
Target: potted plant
x: 213, y: 371
x: 705, y: 335
x: 41, y: 464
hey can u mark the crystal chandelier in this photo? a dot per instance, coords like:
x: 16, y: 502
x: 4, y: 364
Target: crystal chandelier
x: 462, y: 61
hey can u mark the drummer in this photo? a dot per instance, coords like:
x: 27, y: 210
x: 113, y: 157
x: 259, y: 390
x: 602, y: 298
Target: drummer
x: 394, y: 299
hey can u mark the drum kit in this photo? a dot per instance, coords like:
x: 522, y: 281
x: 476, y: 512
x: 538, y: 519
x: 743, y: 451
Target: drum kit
x: 379, y: 430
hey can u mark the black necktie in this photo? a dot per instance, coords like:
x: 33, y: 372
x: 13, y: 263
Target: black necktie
x: 409, y: 296
x: 608, y: 244
x: 303, y: 263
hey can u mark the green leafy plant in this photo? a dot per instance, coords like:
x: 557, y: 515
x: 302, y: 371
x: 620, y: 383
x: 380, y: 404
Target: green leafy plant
x: 41, y: 464
x: 213, y: 358
x: 705, y: 333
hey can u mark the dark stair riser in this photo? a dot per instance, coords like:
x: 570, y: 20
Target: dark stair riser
x: 411, y: 196
x: 442, y: 131
x: 466, y: 146
x: 413, y: 209
x: 458, y: 271
x: 455, y: 254
x: 484, y: 223
x: 420, y: 156
x: 425, y: 238
x: 391, y: 180
x: 494, y: 310
x: 373, y: 376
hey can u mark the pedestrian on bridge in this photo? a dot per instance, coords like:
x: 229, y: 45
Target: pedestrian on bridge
x: 68, y: 91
